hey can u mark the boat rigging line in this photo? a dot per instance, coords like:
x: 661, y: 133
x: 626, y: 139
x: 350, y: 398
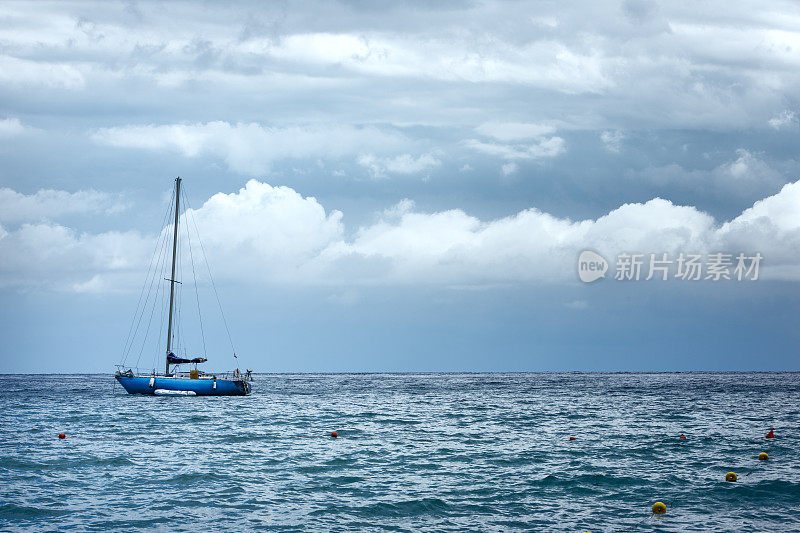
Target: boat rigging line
x: 190, y: 211
x: 152, y: 270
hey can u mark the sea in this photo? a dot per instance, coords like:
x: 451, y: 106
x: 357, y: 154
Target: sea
x: 414, y: 452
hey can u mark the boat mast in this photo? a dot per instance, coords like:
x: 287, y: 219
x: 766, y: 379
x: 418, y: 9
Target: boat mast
x: 172, y: 278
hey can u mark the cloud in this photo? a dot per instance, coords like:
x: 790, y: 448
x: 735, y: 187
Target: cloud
x: 779, y: 211
x: 639, y: 10
x: 772, y: 226
x: 612, y: 139
x: 51, y: 204
x: 784, y: 119
x: 748, y: 167
x: 544, y: 148
x: 11, y: 127
x: 50, y: 256
x: 509, y: 168
x: 747, y: 175
x: 549, y: 64
x: 515, y: 131
x: 402, y: 164
x: 278, y: 236
x: 110, y: 46
x: 273, y: 232
x: 577, y: 304
x: 581, y: 63
x: 538, y: 145
x: 23, y: 72
x: 452, y: 247
x: 399, y: 209
x: 251, y: 148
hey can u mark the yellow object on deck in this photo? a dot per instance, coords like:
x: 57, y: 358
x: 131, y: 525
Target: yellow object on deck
x: 194, y: 374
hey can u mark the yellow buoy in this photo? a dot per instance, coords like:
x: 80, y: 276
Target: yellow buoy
x: 731, y: 476
x: 763, y: 456
x: 659, y: 508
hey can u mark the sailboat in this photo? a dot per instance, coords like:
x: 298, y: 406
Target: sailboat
x: 174, y: 382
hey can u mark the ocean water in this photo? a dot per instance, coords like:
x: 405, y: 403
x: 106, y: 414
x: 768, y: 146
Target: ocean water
x: 416, y: 452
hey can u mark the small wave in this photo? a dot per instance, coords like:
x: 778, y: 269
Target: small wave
x: 190, y: 478
x: 117, y: 460
x: 22, y: 512
x: 242, y: 437
x: 82, y: 462
x: 345, y: 480
x: 404, y: 509
x: 587, y: 480
x: 419, y: 507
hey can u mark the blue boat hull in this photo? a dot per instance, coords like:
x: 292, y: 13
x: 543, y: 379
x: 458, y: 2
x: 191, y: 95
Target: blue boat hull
x: 200, y: 387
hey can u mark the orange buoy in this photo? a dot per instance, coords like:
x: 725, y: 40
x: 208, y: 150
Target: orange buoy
x: 572, y: 438
x: 771, y: 435
x: 731, y: 476
x: 334, y: 434
x: 682, y: 437
x: 763, y: 456
x: 62, y: 436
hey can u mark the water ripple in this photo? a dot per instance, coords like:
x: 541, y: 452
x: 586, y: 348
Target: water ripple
x: 416, y: 452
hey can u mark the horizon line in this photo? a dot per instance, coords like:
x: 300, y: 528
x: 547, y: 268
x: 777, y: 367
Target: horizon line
x: 465, y: 372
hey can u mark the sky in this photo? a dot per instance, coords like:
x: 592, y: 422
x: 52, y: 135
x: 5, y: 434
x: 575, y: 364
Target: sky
x: 402, y: 186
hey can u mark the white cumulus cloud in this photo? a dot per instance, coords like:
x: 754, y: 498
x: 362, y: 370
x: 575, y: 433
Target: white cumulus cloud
x: 269, y: 232
x: 272, y: 234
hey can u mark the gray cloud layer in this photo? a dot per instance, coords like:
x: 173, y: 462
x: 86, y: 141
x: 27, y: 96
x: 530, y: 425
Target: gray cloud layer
x: 711, y: 65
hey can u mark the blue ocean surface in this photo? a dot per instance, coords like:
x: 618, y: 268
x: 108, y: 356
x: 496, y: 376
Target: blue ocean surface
x: 415, y: 452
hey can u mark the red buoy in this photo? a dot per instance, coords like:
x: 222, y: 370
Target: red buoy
x: 572, y: 438
x: 682, y: 437
x: 334, y: 434
x: 771, y: 435
x: 62, y: 436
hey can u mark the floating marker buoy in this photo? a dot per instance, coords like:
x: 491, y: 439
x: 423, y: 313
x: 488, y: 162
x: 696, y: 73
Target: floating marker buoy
x: 572, y: 438
x: 771, y: 435
x: 334, y: 434
x: 62, y: 436
x: 659, y: 508
x: 731, y: 476
x: 682, y: 437
x: 763, y: 456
